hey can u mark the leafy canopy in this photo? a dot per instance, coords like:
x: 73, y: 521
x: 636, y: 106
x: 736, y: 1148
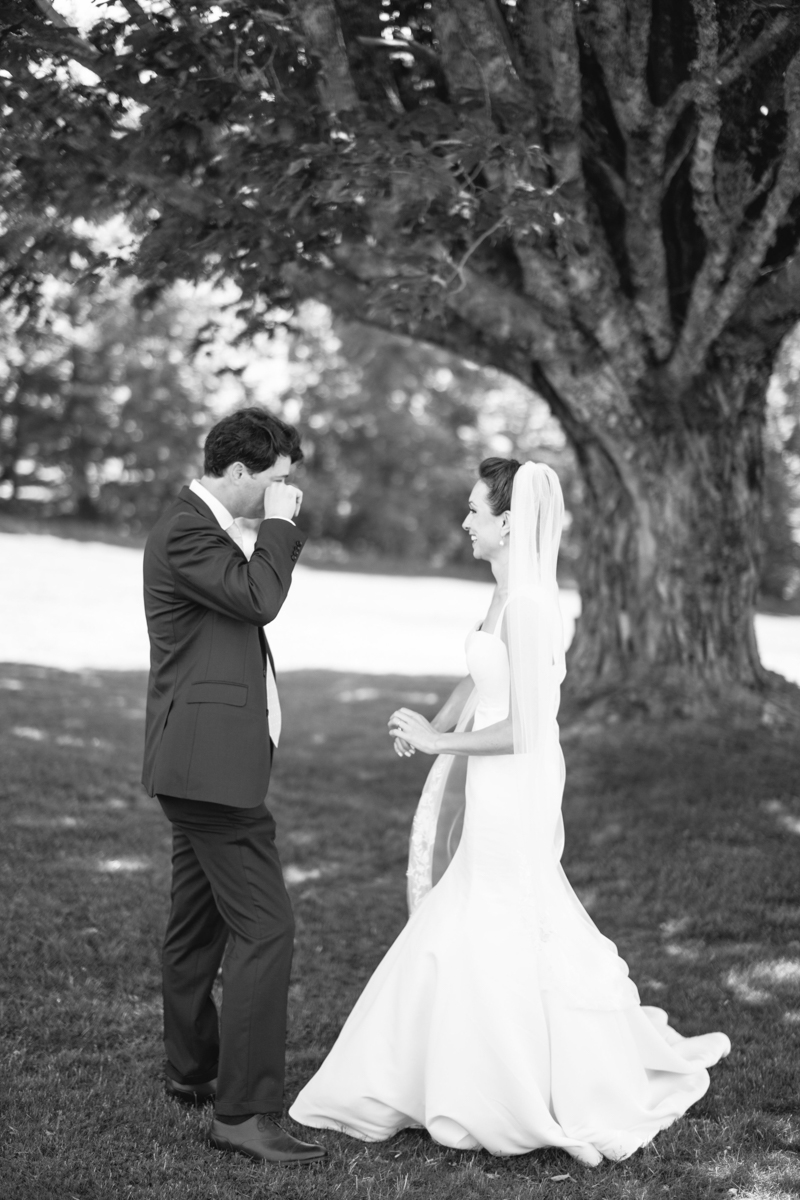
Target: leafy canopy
x: 388, y: 155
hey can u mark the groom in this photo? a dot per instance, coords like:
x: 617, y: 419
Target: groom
x: 213, y: 722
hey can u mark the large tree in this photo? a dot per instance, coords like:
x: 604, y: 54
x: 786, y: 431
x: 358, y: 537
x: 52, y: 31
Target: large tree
x: 598, y: 196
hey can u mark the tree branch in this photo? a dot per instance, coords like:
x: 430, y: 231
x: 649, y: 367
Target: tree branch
x: 78, y: 48
x: 709, y: 123
x: 459, y: 266
x: 490, y: 308
x: 135, y: 10
x: 640, y: 19
x: 565, y: 95
x: 707, y: 317
x: 645, y: 242
x: 533, y: 37
x: 401, y: 45
x: 619, y: 35
x: 321, y: 26
x: 543, y: 279
x: 175, y: 193
x: 766, y: 42
x: 671, y: 112
x: 583, y: 284
x: 475, y: 57
x: 717, y: 230
x: 479, y: 66
x: 785, y: 190
x: 498, y: 20
x: 53, y: 16
x: 563, y: 353
x: 678, y: 158
x: 773, y: 307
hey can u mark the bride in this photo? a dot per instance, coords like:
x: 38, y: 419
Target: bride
x: 501, y: 1018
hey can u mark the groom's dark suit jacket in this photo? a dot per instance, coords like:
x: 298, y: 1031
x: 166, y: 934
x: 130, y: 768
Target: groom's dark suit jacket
x: 207, y: 731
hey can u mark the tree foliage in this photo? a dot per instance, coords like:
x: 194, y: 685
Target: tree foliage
x: 396, y: 156
x: 101, y: 404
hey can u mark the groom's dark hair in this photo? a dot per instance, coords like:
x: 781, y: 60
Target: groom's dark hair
x: 251, y: 436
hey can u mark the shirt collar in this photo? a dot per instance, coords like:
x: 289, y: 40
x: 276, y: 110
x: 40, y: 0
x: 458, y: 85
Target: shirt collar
x: 217, y: 507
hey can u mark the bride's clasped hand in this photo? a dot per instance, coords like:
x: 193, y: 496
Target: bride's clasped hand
x: 501, y: 1018
x: 411, y: 727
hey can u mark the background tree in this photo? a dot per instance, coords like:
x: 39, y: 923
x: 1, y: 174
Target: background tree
x: 598, y: 196
x: 102, y: 404
x: 393, y: 433
x: 780, y: 568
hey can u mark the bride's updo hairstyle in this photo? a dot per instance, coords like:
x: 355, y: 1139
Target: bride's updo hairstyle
x: 498, y: 475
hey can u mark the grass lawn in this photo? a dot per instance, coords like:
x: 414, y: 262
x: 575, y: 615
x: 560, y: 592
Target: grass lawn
x: 683, y: 841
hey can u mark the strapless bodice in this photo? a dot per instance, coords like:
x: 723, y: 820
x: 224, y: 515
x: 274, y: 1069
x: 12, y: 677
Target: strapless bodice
x: 487, y: 663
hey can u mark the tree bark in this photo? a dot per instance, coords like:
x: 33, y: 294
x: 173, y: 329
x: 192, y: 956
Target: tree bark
x: 669, y: 566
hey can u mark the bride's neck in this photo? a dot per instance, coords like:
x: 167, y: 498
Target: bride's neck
x: 500, y: 571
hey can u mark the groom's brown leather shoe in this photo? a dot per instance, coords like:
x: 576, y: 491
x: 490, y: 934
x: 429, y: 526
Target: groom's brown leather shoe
x: 193, y: 1093
x: 263, y: 1138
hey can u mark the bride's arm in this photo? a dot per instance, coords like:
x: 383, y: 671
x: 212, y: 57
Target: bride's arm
x: 414, y: 729
x: 450, y: 711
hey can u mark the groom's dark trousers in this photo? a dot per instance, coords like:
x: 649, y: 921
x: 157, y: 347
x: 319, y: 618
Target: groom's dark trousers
x: 227, y: 890
x: 207, y: 758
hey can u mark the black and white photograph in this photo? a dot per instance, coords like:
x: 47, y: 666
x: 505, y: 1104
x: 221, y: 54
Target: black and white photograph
x: 399, y: 599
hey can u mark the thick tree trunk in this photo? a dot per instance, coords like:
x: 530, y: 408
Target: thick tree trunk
x: 669, y: 565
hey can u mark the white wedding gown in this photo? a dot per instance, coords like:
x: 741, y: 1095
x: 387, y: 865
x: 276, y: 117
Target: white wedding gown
x: 501, y: 1018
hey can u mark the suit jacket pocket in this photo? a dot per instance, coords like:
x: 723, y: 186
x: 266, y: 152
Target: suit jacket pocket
x: 213, y: 691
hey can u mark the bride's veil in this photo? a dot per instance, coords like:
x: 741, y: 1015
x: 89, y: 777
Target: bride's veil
x: 574, y: 959
x: 535, y: 638
x: 533, y: 616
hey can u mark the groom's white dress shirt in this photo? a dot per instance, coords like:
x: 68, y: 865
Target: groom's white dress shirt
x: 228, y: 523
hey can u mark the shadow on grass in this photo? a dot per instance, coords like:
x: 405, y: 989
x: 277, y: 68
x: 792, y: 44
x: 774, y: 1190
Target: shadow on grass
x: 682, y: 841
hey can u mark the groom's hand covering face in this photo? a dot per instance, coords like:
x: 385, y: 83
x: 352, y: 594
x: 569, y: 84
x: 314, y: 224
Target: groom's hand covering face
x: 282, y: 500
x: 264, y: 493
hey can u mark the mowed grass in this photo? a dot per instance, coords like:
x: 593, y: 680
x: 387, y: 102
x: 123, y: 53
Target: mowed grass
x: 683, y: 841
